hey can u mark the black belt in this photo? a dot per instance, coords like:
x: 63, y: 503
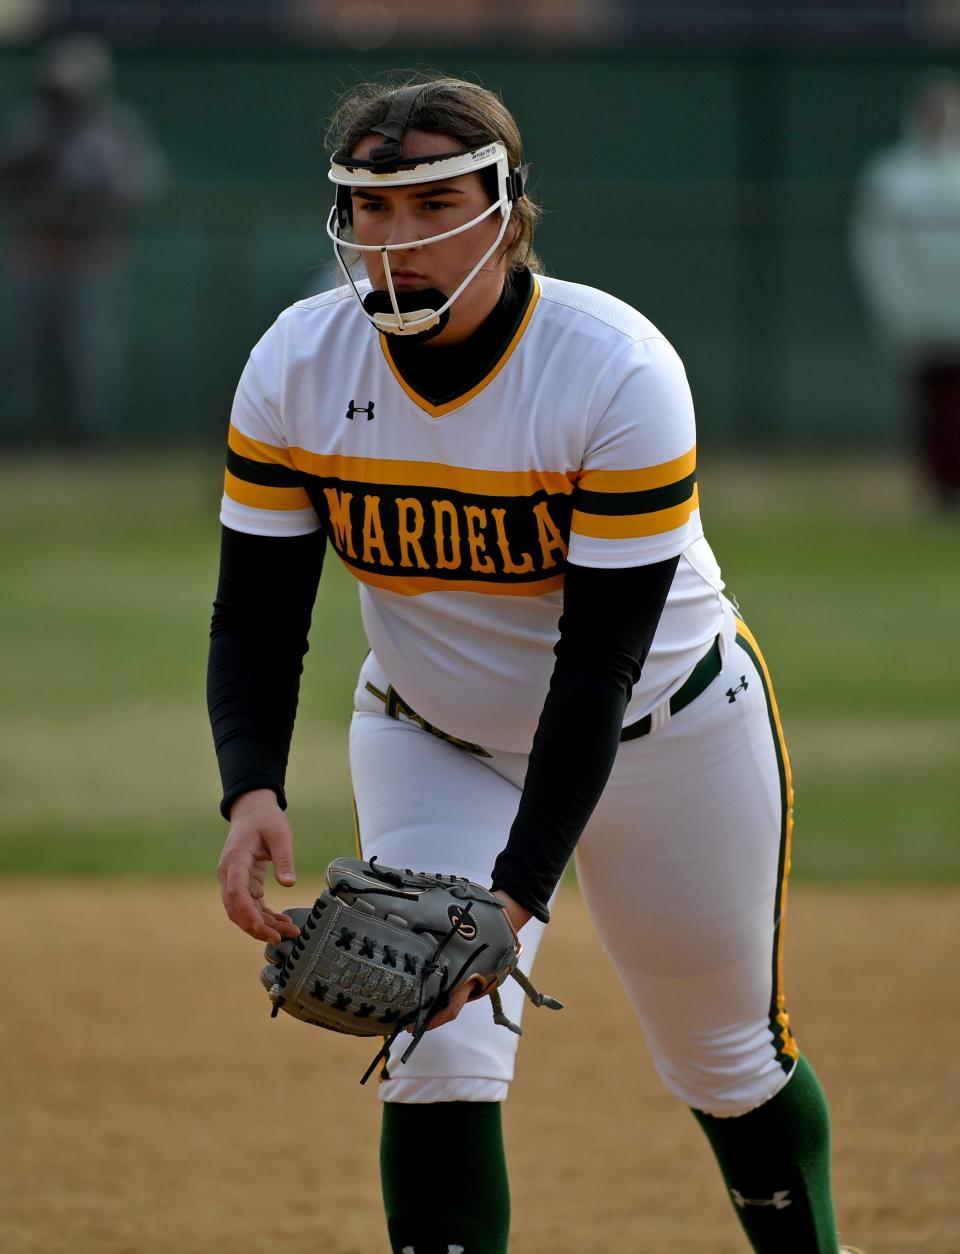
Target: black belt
x: 700, y: 678
x: 394, y: 705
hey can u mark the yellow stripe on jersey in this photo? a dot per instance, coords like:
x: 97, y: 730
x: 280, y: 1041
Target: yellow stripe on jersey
x: 438, y: 411
x: 641, y: 480
x: 631, y: 526
x: 403, y: 474
x: 257, y: 451
x: 259, y: 496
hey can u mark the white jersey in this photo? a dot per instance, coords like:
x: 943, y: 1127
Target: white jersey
x: 456, y: 517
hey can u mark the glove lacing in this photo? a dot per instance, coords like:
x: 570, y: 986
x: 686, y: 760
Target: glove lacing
x: 425, y: 1011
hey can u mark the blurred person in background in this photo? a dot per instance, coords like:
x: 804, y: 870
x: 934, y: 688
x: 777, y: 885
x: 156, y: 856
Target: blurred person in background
x: 75, y: 164
x: 906, y: 249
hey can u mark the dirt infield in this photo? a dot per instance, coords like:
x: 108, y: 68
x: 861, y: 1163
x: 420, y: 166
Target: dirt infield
x: 151, y: 1106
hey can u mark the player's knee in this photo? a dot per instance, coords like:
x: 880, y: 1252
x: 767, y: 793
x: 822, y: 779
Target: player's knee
x: 722, y: 1084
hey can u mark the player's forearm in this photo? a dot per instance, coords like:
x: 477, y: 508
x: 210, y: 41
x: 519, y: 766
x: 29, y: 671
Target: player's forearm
x: 608, y: 624
x: 252, y: 707
x: 258, y: 639
x: 572, y: 757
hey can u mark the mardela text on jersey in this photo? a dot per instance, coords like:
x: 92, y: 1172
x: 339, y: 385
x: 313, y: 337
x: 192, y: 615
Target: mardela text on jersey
x: 448, y: 536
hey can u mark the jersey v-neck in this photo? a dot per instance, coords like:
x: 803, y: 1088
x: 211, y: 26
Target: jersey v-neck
x: 442, y: 377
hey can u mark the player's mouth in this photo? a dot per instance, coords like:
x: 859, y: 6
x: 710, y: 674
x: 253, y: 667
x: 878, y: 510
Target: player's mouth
x: 403, y: 277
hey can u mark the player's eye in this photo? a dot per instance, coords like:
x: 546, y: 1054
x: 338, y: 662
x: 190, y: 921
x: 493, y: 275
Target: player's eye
x: 435, y: 206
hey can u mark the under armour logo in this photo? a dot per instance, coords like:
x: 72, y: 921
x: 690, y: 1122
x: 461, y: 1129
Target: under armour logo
x: 451, y: 1249
x: 360, y: 409
x: 732, y: 692
x: 779, y: 1201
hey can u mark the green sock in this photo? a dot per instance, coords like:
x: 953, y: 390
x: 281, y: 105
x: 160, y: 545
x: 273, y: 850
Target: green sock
x: 444, y: 1178
x: 776, y: 1163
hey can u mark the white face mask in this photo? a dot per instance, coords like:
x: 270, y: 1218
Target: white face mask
x: 385, y: 310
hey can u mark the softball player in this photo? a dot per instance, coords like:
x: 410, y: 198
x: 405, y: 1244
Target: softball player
x: 506, y: 462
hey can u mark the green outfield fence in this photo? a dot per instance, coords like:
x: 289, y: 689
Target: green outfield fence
x: 711, y: 191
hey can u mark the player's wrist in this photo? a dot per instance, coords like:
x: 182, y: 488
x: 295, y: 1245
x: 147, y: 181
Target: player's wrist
x: 256, y: 801
x: 517, y: 914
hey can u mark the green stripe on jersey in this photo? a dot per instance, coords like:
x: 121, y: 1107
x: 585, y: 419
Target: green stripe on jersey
x: 267, y: 474
x: 650, y: 501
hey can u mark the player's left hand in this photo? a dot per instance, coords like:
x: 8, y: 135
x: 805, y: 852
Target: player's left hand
x: 518, y: 916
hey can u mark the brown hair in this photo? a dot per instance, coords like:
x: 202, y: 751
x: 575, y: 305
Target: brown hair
x: 467, y: 112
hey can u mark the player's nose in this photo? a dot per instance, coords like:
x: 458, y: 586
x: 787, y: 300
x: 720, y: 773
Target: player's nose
x: 402, y: 231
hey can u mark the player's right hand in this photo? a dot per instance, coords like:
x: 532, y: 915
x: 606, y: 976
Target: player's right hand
x: 259, y: 833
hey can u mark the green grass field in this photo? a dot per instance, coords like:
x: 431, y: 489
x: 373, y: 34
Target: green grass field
x: 109, y: 568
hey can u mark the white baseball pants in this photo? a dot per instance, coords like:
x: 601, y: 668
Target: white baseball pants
x: 683, y: 867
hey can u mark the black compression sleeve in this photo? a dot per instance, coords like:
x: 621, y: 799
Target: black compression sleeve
x: 608, y: 624
x: 258, y: 638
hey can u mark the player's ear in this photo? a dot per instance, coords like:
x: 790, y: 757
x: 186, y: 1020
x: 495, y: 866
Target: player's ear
x: 510, y: 237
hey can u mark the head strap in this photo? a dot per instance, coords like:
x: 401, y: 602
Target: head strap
x: 394, y: 125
